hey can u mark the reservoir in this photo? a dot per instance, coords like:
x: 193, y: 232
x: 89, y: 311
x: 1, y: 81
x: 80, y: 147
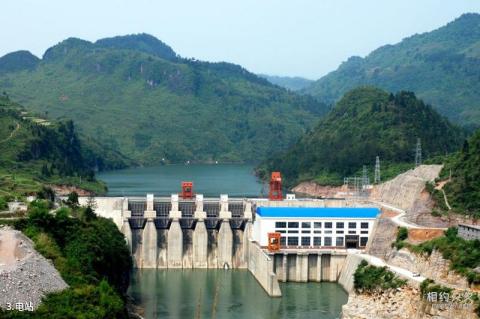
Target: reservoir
x: 172, y: 294
x: 210, y: 180
x: 214, y: 293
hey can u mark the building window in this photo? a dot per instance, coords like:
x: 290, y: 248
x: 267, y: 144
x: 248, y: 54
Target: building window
x: 292, y: 224
x: 339, y: 225
x: 281, y: 231
x: 328, y: 225
x: 283, y: 241
x: 292, y: 241
x: 317, y: 241
x: 363, y: 241
x: 293, y: 231
x: 352, y: 232
x: 305, y: 241
x: 328, y: 241
x: 339, y: 242
x: 352, y: 225
x: 339, y: 231
x: 317, y: 231
x: 328, y: 232
x: 280, y: 225
x: 306, y: 231
x: 306, y: 225
x: 317, y: 224
x: 364, y: 225
x: 364, y: 232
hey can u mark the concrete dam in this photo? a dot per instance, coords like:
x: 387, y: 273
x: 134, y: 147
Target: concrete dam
x: 172, y: 233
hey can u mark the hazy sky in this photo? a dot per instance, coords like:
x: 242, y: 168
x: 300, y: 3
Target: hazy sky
x: 298, y: 37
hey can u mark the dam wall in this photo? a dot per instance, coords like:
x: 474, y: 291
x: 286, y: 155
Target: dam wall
x: 174, y: 233
x: 210, y: 233
x: 261, y: 266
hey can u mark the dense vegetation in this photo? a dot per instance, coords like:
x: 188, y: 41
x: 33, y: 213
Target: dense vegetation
x: 136, y: 95
x: 365, y: 123
x: 370, y: 279
x: 90, y: 254
x: 442, y: 67
x: 463, y: 191
x: 34, y: 151
x: 294, y: 83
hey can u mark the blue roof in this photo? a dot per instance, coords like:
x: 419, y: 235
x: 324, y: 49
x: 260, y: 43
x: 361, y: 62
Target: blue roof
x: 319, y: 212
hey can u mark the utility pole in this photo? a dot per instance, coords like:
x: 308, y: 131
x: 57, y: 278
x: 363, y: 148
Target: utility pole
x: 377, y: 170
x: 418, y: 153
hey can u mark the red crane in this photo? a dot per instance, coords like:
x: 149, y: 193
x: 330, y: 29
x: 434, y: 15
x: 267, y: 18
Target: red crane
x: 187, y: 190
x: 275, y: 187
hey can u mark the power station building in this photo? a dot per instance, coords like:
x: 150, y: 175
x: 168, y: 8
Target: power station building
x: 315, y: 227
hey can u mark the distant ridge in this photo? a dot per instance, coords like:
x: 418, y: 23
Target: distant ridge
x: 134, y: 94
x: 442, y: 67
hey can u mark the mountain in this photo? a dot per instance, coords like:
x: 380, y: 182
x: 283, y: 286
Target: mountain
x: 365, y: 123
x: 34, y: 151
x: 295, y: 83
x: 135, y: 94
x: 442, y: 67
x: 18, y: 61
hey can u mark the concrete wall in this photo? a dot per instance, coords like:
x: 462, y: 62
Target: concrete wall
x: 349, y: 268
x: 261, y: 266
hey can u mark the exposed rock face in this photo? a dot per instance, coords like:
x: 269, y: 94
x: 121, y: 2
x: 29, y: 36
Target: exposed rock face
x: 315, y: 190
x: 434, y: 267
x: 403, y: 190
x: 25, y: 276
x: 405, y: 303
x: 383, y: 235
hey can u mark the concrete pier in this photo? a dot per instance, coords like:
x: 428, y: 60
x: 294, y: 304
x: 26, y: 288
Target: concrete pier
x: 149, y: 242
x: 225, y: 244
x: 175, y: 245
x: 200, y: 236
x: 126, y: 230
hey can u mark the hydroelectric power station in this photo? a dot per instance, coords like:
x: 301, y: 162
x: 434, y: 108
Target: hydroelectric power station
x: 276, y: 239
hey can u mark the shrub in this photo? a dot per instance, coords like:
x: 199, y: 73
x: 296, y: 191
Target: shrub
x: 368, y: 278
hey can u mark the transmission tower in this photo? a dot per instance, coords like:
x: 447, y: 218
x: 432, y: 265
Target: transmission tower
x: 377, y: 170
x: 418, y: 153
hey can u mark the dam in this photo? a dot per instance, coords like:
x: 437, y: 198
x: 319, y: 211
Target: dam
x: 231, y: 233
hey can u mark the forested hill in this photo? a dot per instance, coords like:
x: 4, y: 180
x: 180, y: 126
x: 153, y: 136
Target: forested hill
x: 463, y: 190
x: 442, y: 67
x: 135, y: 94
x: 294, y: 83
x: 365, y: 123
x: 34, y: 151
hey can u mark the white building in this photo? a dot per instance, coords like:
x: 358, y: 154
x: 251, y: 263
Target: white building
x: 315, y: 227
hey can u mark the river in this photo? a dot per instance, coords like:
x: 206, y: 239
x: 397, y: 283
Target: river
x: 173, y: 294
x: 214, y: 293
x: 209, y: 180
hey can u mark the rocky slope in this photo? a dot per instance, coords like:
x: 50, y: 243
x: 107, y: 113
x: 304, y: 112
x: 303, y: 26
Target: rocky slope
x: 25, y: 275
x: 404, y: 303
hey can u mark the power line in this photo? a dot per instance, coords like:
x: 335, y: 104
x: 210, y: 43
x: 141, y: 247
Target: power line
x: 418, y: 153
x: 377, y: 170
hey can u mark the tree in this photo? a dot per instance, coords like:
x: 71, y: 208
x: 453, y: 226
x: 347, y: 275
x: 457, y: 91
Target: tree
x: 72, y: 200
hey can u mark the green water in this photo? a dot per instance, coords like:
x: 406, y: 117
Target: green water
x: 209, y: 180
x: 230, y: 295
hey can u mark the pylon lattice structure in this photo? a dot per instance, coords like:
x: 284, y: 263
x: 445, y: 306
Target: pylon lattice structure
x: 377, y: 170
x: 418, y: 153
